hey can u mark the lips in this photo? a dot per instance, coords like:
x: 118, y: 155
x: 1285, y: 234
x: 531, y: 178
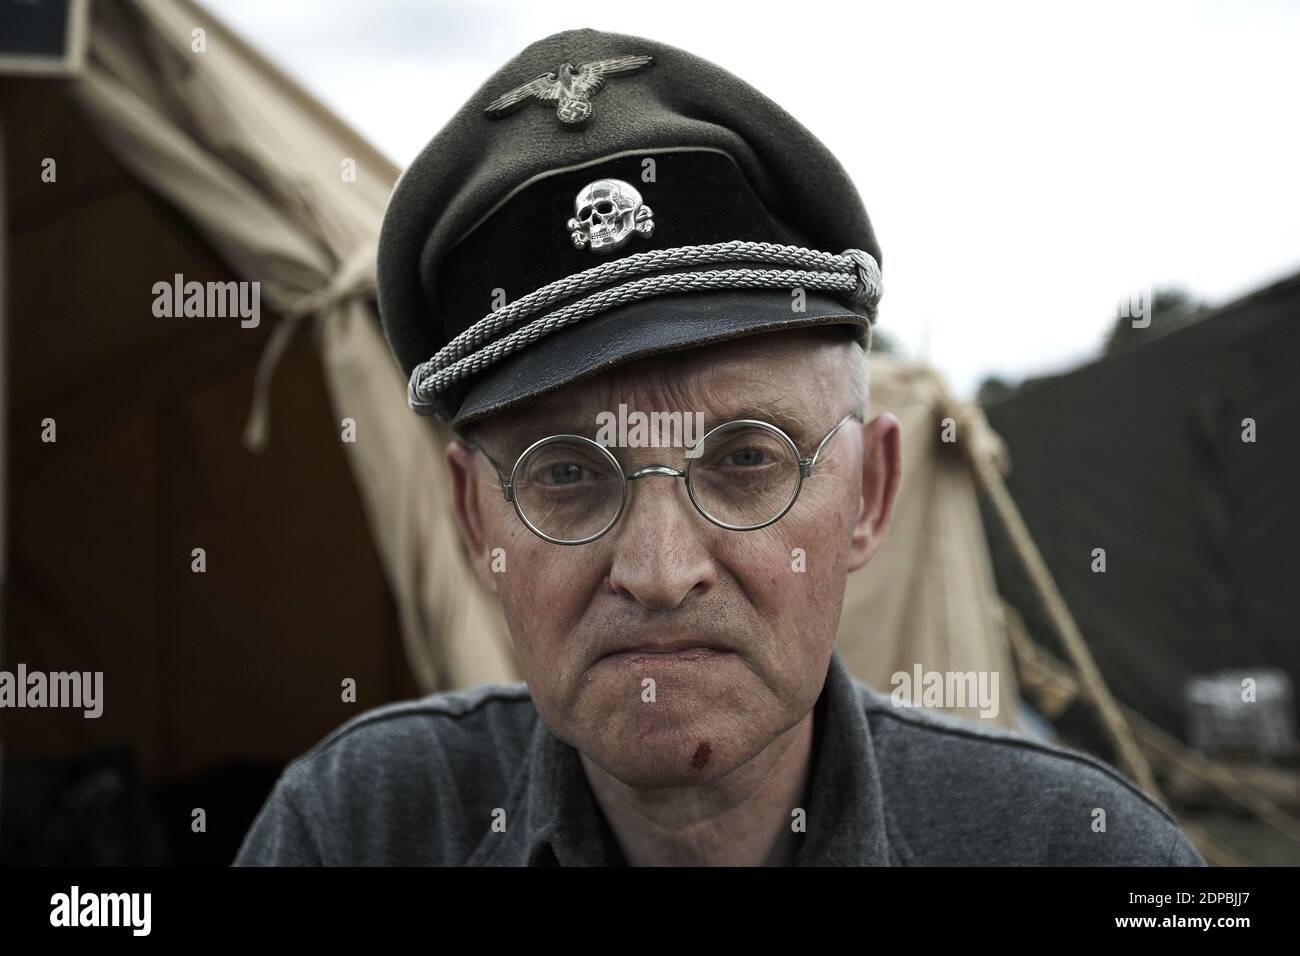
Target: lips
x: 667, y: 648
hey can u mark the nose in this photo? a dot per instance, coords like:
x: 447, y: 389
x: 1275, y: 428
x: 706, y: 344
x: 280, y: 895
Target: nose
x: 661, y: 554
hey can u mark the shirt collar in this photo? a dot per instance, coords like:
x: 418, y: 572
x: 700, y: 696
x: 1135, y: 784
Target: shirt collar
x: 553, y: 818
x: 846, y: 812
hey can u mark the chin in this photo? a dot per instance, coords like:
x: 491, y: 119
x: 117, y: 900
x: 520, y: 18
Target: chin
x: 656, y: 748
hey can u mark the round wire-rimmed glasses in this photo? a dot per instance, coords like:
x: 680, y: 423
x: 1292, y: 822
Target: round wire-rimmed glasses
x: 742, y: 475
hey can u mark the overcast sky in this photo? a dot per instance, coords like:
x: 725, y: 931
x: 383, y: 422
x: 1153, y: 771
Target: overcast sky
x: 1026, y: 166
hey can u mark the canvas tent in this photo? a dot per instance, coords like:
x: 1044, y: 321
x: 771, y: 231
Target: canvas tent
x: 239, y: 667
x: 327, y: 560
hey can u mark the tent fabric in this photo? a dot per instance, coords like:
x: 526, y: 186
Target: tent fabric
x: 219, y: 673
x: 255, y: 164
x: 928, y: 598
x: 1142, y: 455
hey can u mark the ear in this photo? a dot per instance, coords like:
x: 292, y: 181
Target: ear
x: 882, y: 467
x: 466, y: 482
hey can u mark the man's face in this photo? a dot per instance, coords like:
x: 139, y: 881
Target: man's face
x: 734, y: 628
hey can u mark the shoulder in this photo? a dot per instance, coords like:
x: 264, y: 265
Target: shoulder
x: 958, y: 792
x: 411, y: 782
x: 482, y: 724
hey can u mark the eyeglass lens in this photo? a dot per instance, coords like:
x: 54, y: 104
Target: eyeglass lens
x: 740, y: 475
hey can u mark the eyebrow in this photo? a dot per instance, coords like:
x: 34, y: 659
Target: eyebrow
x: 774, y: 413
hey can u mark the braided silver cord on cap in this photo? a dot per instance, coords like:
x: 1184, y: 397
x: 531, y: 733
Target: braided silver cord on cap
x: 854, y: 275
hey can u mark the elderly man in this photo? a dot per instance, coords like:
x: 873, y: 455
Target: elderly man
x: 612, y: 224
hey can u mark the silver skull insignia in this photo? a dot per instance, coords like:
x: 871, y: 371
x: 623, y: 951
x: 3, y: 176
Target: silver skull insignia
x: 606, y: 214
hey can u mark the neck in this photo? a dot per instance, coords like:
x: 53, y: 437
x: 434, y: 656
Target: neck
x: 743, y: 819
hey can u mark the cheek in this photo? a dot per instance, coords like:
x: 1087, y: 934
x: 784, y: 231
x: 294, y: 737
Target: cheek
x: 807, y: 549
x: 544, y: 593
x: 793, y: 573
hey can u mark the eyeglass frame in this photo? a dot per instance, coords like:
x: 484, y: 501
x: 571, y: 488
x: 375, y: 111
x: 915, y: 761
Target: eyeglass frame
x: 805, y: 471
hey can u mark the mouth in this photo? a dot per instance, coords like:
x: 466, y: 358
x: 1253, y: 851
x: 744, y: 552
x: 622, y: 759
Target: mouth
x: 677, y: 650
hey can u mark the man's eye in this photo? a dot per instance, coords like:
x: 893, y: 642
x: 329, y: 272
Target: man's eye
x: 742, y: 458
x: 566, y: 473
x: 747, y: 458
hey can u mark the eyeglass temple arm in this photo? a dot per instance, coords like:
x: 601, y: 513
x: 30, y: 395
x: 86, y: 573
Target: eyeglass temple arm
x: 806, y: 464
x: 506, y: 490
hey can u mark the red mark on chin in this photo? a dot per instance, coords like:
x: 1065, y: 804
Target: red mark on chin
x: 702, y: 754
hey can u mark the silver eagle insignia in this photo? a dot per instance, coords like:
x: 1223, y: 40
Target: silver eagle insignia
x: 570, y: 90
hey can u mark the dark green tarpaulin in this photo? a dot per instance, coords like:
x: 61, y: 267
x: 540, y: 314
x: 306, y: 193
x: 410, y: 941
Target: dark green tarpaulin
x: 1142, y: 454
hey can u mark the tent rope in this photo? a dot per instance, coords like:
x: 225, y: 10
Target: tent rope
x: 990, y: 481
x: 1054, y: 682
x: 354, y: 278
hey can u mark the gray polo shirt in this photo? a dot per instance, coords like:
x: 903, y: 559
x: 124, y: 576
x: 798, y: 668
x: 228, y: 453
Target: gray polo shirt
x: 423, y: 782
